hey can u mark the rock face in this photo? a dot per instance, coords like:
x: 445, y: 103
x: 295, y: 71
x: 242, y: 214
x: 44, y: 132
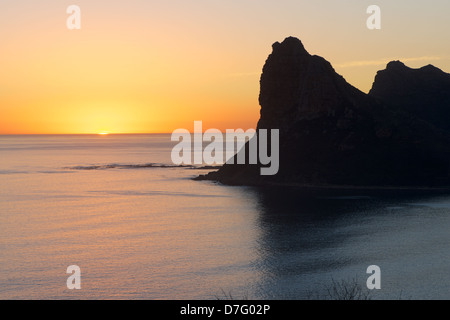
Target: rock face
x: 424, y: 92
x: 333, y: 134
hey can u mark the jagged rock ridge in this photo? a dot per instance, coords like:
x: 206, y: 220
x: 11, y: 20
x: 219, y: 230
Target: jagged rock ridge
x: 424, y: 92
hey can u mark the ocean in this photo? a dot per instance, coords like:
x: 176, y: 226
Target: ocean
x: 139, y: 227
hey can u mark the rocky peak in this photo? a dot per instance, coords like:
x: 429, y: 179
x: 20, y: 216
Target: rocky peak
x: 296, y: 85
x: 290, y: 46
x: 423, y: 92
x: 396, y: 65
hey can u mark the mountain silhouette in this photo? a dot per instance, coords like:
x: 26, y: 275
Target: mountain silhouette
x: 333, y: 134
x: 424, y: 92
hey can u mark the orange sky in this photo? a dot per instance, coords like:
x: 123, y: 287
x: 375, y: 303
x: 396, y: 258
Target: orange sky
x: 154, y: 66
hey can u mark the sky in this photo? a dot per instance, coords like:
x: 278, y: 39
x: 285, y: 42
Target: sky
x: 147, y: 66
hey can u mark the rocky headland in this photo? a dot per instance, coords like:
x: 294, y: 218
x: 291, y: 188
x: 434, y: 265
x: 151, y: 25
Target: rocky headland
x: 332, y: 134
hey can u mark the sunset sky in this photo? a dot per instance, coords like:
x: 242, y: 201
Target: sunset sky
x: 140, y: 66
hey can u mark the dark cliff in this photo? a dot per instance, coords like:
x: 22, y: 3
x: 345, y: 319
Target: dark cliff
x: 333, y: 134
x: 424, y: 92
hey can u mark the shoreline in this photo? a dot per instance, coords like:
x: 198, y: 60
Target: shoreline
x: 329, y: 187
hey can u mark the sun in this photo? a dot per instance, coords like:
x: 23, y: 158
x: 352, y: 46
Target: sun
x: 103, y: 133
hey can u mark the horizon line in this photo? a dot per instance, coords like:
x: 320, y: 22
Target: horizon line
x: 79, y: 134
x: 87, y: 134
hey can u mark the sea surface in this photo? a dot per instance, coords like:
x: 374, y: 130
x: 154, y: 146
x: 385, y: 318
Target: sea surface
x: 139, y: 227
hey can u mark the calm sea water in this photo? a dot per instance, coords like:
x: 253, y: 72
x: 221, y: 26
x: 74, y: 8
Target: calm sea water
x: 139, y: 230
